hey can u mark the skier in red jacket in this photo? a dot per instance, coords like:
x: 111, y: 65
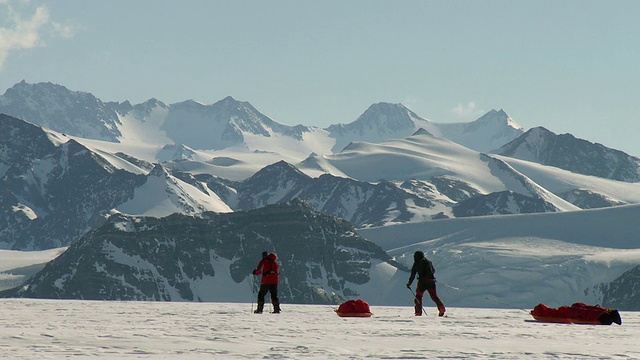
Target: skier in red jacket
x: 270, y: 271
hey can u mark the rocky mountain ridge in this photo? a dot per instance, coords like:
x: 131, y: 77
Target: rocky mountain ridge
x: 576, y: 155
x: 624, y: 292
x: 183, y: 258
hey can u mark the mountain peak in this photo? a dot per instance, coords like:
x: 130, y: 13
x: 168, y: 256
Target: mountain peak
x: 230, y: 103
x: 387, y: 105
x: 158, y: 171
x: 24, y: 88
x: 55, y: 107
x: 278, y: 169
x: 394, y: 112
x: 422, y: 131
x: 567, y: 152
x: 498, y: 117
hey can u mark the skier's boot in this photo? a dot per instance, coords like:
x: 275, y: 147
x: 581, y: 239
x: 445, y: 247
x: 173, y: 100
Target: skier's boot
x: 441, y: 309
x: 276, y: 307
x: 259, y: 309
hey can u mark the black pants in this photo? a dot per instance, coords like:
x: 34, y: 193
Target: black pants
x: 272, y: 289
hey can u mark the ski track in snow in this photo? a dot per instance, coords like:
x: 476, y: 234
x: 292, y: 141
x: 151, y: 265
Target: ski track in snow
x: 53, y: 329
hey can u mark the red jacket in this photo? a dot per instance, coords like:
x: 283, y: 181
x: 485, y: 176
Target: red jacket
x: 269, y: 269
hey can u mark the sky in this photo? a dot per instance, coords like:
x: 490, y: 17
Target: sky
x: 54, y: 329
x: 571, y: 66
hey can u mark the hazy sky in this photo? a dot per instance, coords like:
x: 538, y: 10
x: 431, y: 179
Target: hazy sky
x: 570, y: 66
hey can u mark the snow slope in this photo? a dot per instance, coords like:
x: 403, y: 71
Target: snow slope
x: 489, y: 132
x: 558, y: 181
x: 423, y: 156
x: 163, y: 194
x: 17, y: 266
x: 50, y: 329
x: 519, y: 260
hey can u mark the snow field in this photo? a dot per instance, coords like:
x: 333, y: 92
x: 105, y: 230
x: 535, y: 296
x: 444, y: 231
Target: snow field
x: 53, y: 329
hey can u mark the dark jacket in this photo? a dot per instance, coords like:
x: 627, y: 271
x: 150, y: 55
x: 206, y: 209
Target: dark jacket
x: 423, y: 268
x: 269, y: 269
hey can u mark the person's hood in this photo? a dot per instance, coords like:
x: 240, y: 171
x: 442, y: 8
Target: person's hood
x: 271, y: 257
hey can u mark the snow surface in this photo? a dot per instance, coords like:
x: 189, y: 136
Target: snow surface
x: 17, y: 266
x: 54, y: 329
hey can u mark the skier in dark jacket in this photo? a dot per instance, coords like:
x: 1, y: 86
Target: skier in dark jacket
x: 423, y: 267
x: 270, y: 271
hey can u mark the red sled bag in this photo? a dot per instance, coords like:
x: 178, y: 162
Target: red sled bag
x: 578, y: 313
x: 354, y: 308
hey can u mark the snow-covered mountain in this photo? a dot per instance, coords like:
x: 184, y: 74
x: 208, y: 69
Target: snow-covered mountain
x: 408, y: 198
x: 388, y: 172
x: 53, y: 189
x: 384, y: 121
x: 177, y: 197
x: 69, y: 112
x: 180, y: 258
x: 379, y: 122
x: 362, y: 203
x: 424, y: 177
x: 489, y: 132
x: 425, y: 157
x: 223, y: 124
x: 576, y: 155
x: 514, y: 261
x: 48, y: 179
x: 510, y: 251
x: 517, y: 260
x: 624, y: 293
x: 142, y: 130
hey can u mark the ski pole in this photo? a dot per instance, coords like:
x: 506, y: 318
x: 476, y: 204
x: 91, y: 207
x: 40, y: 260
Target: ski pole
x: 253, y: 290
x: 415, y: 300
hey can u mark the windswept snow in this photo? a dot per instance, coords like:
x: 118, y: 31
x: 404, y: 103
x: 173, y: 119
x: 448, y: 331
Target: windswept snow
x: 50, y: 329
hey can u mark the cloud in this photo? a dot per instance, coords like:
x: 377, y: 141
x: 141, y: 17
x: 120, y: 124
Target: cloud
x: 18, y: 33
x: 66, y: 31
x: 466, y: 110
